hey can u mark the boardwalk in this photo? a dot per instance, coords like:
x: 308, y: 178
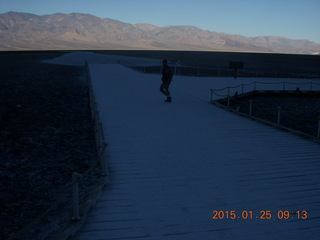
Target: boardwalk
x: 173, y: 164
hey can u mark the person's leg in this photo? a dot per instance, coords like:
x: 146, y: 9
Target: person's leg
x: 167, y: 89
x: 164, y: 88
x: 169, y: 99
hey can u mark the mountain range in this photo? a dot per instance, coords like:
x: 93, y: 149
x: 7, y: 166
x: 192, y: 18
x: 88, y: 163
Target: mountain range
x: 76, y: 31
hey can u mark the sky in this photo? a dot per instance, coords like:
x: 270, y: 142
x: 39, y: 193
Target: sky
x: 296, y: 19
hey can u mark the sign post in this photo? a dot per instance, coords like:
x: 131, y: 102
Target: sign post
x: 236, y: 66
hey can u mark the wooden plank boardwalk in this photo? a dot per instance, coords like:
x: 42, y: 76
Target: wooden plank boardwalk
x: 172, y: 165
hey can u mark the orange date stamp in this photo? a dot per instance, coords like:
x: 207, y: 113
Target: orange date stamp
x: 263, y: 214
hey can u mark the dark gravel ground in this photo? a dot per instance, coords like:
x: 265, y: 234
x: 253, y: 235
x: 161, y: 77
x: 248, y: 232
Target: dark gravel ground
x: 299, y: 110
x: 46, y: 134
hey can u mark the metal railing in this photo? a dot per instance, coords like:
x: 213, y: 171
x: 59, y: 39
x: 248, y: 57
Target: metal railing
x: 254, y: 86
x: 231, y: 95
x: 76, y: 177
x: 98, y: 127
x: 227, y: 72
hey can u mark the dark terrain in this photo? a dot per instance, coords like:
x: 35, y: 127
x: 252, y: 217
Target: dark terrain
x: 46, y: 134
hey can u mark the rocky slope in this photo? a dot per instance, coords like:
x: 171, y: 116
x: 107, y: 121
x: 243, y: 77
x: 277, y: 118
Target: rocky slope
x: 23, y: 31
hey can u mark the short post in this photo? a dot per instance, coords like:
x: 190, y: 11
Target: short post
x: 250, y: 107
x: 235, y: 73
x: 279, y: 115
x: 318, y: 135
x: 75, y: 196
x: 103, y: 160
x: 228, y: 97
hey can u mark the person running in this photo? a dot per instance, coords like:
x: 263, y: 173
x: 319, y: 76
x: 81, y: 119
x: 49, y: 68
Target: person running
x: 167, y: 75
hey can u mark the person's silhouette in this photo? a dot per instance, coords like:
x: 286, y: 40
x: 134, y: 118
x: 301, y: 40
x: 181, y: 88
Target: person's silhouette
x: 167, y: 75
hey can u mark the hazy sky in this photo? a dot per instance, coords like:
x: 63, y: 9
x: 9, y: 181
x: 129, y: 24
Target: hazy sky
x: 297, y: 19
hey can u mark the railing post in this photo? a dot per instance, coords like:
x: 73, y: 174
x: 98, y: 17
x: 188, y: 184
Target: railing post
x: 318, y: 135
x: 242, y: 87
x: 250, y: 107
x: 75, y: 196
x: 228, y: 97
x: 279, y: 115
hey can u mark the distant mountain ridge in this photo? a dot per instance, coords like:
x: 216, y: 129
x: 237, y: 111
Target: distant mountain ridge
x: 25, y: 31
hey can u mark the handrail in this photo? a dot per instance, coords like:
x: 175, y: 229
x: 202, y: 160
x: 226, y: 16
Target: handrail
x: 255, y: 83
x: 270, y: 83
x: 98, y: 127
x: 279, y: 109
x: 220, y: 71
x: 101, y: 158
x: 315, y: 137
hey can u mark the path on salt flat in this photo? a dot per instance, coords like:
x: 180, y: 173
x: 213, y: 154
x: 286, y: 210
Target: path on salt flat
x: 172, y: 164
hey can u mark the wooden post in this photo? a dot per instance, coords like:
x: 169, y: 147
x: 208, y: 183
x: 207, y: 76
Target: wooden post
x: 318, y: 135
x: 279, y: 115
x: 228, y: 97
x: 103, y: 160
x: 75, y: 196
